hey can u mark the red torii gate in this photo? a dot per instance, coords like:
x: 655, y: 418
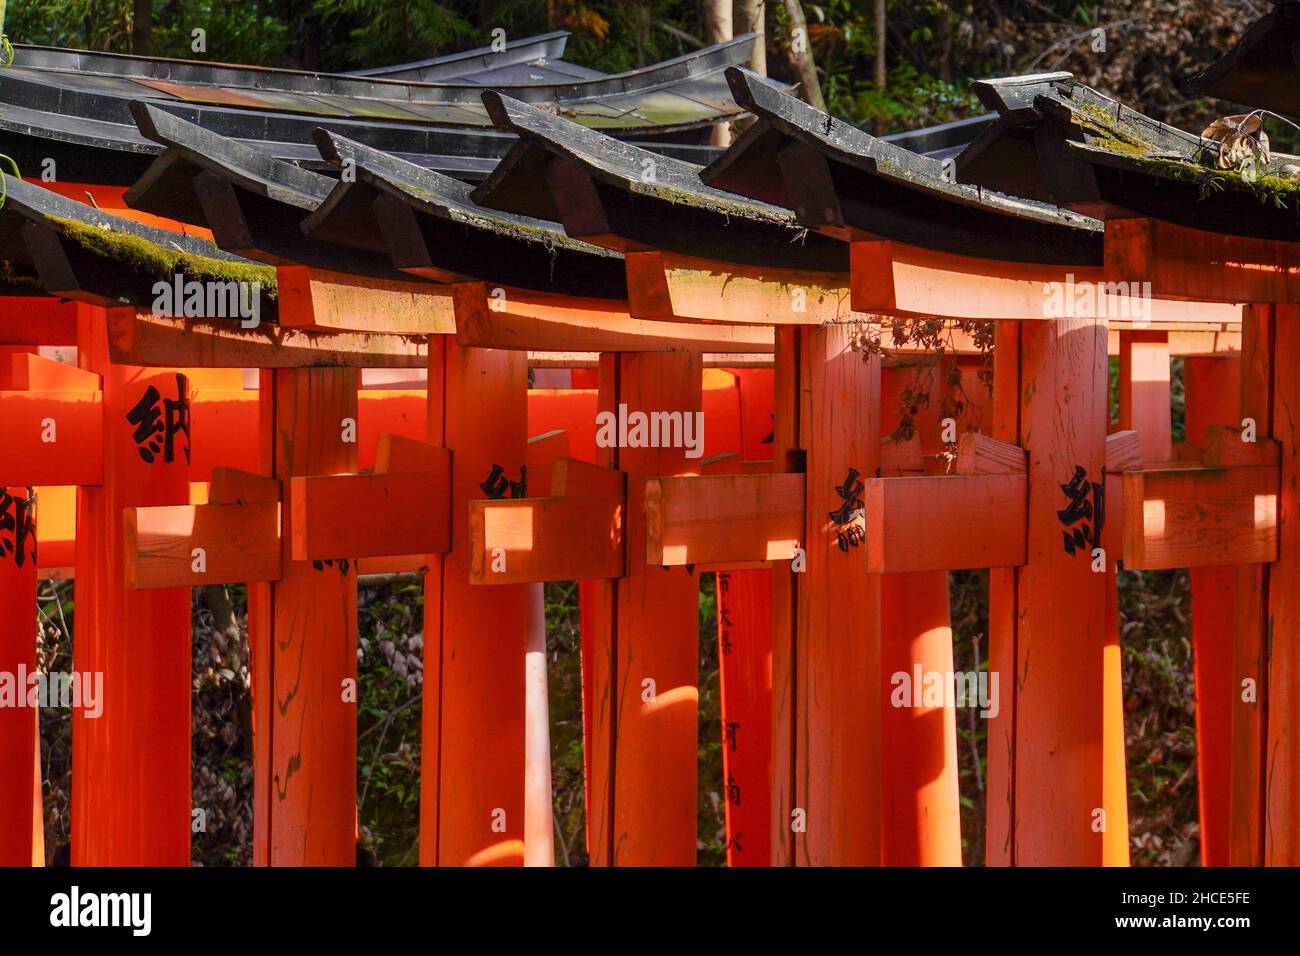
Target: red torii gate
x: 52, y: 430
x: 1250, y: 476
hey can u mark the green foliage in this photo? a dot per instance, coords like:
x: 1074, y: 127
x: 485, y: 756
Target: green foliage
x: 393, y: 31
x: 389, y: 687
x: 710, y: 848
x: 237, y: 32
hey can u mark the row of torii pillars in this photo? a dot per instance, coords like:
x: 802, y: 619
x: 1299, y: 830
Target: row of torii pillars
x: 1055, y: 753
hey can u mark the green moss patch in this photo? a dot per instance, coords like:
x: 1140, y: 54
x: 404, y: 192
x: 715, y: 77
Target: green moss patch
x: 153, y: 259
x: 1124, y: 139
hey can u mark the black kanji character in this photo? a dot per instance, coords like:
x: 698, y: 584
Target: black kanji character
x: 496, y: 485
x: 1079, y: 490
x: 156, y: 429
x: 18, y: 526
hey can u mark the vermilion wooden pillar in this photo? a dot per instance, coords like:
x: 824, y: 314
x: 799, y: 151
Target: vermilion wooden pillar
x: 472, y: 777
x: 921, y: 802
x: 1048, y: 618
x: 1251, y: 624
x: 1144, y: 407
x: 1212, y: 387
x: 826, y: 761
x: 20, y: 821
x: 1144, y: 392
x: 645, y: 648
x: 1282, y: 773
x: 305, y: 672
x: 744, y: 602
x: 745, y: 675
x: 922, y: 812
x: 130, y: 765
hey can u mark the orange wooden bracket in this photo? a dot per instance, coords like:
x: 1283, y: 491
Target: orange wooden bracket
x: 667, y: 286
x: 1225, y: 512
x: 575, y: 534
x: 979, y: 518
x: 981, y: 455
x: 945, y: 522
x: 1123, y: 453
x: 893, y: 278
x: 731, y: 463
x: 717, y: 519
x: 1183, y: 263
x: 51, y: 424
x: 519, y: 319
x: 233, y: 539
x: 976, y: 518
x: 739, y: 514
x: 314, y: 298
x: 404, y: 510
x: 236, y: 537
x: 1188, y: 341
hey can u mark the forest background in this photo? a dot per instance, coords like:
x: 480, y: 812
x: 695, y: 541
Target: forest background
x: 887, y: 65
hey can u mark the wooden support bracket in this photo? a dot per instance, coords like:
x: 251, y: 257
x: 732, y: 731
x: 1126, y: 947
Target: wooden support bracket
x: 575, y: 534
x: 714, y: 519
x: 1200, y: 517
x: 52, y: 424
x: 893, y: 278
x: 234, y: 539
x: 1182, y: 263
x: 143, y: 339
x: 945, y: 522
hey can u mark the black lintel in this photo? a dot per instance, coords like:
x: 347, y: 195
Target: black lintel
x: 83, y: 253
x: 619, y: 195
x: 253, y: 203
x: 433, y: 228
x: 1102, y: 158
x: 849, y: 184
x: 1262, y: 70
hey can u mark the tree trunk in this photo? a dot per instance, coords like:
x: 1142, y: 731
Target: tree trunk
x: 142, y: 27
x: 718, y: 29
x: 881, y: 43
x: 801, y: 57
x: 311, y: 42
x: 717, y: 21
x: 750, y: 17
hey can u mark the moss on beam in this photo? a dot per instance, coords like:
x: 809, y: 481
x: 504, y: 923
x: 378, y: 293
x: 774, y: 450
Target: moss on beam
x: 1112, y: 135
x: 152, y: 259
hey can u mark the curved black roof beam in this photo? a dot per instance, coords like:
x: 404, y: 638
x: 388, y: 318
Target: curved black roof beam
x: 91, y: 135
x: 1263, y: 68
x: 687, y: 92
x: 1092, y: 154
x: 621, y: 196
x: 433, y: 228
x: 253, y: 203
x: 849, y: 184
x: 78, y: 251
x: 544, y: 48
